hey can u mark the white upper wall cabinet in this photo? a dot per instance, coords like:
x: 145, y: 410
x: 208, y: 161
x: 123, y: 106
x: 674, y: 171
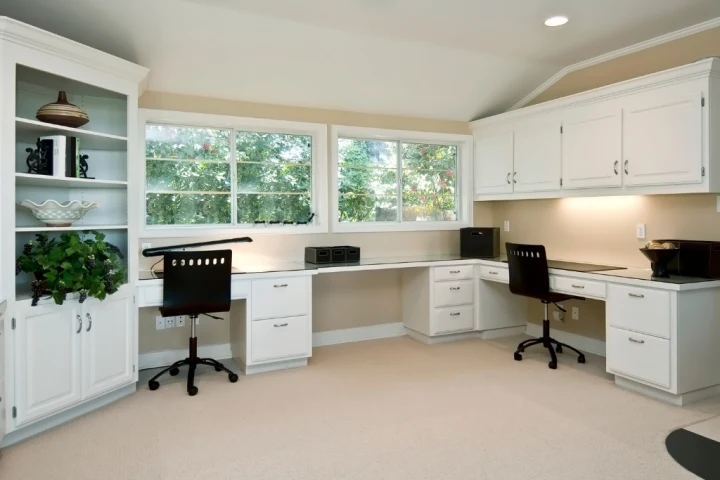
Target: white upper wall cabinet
x: 651, y: 135
x: 663, y: 136
x: 592, y: 148
x: 494, y: 164
x: 537, y: 156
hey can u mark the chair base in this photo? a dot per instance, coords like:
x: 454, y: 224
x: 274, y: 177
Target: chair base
x: 550, y: 343
x: 192, y: 362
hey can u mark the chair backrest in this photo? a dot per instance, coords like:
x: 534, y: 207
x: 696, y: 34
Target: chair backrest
x: 196, y: 282
x: 528, y: 268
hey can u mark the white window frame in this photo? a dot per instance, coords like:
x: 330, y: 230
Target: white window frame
x: 318, y: 132
x: 464, y: 176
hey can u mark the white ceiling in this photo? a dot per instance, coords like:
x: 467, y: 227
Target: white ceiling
x: 445, y: 59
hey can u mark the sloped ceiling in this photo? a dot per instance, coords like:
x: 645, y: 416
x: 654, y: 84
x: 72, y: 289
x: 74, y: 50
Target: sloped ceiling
x: 449, y: 59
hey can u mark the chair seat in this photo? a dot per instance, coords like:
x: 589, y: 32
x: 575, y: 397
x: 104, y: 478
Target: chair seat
x: 560, y: 297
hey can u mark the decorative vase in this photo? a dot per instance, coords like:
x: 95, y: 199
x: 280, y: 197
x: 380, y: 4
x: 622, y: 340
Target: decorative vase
x: 63, y: 113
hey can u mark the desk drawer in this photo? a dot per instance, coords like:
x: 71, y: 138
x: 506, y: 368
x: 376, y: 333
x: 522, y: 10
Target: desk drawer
x: 581, y: 288
x: 454, y: 319
x: 461, y: 272
x: 495, y: 273
x: 280, y: 338
x: 453, y: 293
x: 639, y: 356
x: 280, y: 297
x: 639, y: 309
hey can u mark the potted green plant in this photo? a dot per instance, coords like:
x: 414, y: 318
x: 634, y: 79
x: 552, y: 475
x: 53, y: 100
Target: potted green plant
x: 90, y: 267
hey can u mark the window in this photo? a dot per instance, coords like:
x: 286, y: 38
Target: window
x: 393, y: 180
x: 225, y: 173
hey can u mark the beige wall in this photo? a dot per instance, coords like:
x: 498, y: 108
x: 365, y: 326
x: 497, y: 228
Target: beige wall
x: 651, y: 60
x: 602, y: 230
x: 339, y: 300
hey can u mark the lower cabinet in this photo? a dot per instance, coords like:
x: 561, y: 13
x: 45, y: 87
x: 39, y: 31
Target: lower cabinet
x: 65, y: 354
x: 3, y: 399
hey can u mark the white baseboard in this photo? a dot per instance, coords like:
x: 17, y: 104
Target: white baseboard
x: 679, y: 400
x: 168, y: 357
x: 502, y: 332
x: 359, y: 334
x: 586, y: 344
x: 273, y: 366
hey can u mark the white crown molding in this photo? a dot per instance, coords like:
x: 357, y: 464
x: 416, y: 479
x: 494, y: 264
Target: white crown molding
x: 669, y: 37
x: 32, y: 37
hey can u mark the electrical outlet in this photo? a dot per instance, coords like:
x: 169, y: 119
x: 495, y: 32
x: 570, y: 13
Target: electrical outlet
x: 559, y: 315
x: 169, y: 322
x: 159, y: 323
x: 640, y: 231
x: 506, y: 225
x: 576, y: 313
x: 180, y: 321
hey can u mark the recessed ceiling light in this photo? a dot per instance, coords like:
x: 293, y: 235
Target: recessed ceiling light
x: 556, y: 21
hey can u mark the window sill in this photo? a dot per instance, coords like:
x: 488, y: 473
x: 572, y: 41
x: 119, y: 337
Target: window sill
x: 185, y: 231
x: 398, y: 227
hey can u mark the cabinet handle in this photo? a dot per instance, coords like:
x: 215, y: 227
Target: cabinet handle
x: 636, y: 295
x: 455, y: 314
x: 635, y: 341
x: 89, y: 327
x: 508, y: 178
x: 454, y: 288
x: 514, y: 181
x: 627, y: 172
x: 79, y: 319
x: 578, y: 286
x: 492, y: 273
x: 283, y: 285
x: 454, y: 271
x: 615, y: 166
x: 280, y: 325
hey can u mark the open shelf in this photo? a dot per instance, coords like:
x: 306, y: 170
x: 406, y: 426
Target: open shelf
x: 28, y: 130
x: 72, y: 228
x: 32, y: 180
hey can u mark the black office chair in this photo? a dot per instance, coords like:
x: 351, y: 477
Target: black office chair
x: 529, y: 277
x: 195, y: 283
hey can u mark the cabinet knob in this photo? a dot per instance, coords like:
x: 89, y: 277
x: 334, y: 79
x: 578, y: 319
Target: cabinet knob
x: 280, y: 325
x: 492, y: 273
x: 636, y: 295
x: 455, y: 314
x: 633, y: 340
x: 615, y: 166
x: 514, y: 181
x: 508, y: 178
x: 280, y: 286
x: 87, y: 315
x: 454, y: 288
x: 578, y: 286
x: 454, y: 271
x: 79, y: 319
x: 627, y: 170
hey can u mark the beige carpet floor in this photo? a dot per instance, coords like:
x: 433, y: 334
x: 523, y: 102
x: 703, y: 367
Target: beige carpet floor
x: 386, y: 409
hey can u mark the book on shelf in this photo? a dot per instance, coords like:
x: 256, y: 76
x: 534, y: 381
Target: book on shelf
x: 65, y: 153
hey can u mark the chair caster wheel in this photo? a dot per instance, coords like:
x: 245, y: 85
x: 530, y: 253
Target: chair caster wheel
x: 517, y: 356
x: 218, y: 369
x: 233, y: 377
x: 153, y: 385
x: 581, y: 359
x: 558, y: 349
x: 174, y: 371
x: 552, y: 365
x: 192, y: 391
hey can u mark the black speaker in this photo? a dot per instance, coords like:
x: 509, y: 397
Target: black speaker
x: 480, y: 242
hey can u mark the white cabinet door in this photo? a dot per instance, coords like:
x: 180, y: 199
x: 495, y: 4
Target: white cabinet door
x: 592, y: 148
x: 3, y: 398
x: 663, y: 137
x: 494, y: 164
x: 538, y: 151
x: 47, y: 359
x: 108, y: 344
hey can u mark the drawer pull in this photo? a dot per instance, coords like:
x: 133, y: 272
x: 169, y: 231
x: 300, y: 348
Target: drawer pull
x: 635, y: 341
x: 454, y: 271
x: 455, y: 314
x: 282, y: 285
x: 636, y: 295
x: 280, y: 325
x: 578, y: 286
x: 454, y: 288
x: 492, y: 273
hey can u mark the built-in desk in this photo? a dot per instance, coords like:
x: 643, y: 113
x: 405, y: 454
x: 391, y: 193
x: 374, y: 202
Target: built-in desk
x: 661, y: 334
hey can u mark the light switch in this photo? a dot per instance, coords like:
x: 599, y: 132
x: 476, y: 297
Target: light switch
x: 640, y: 231
x: 506, y: 225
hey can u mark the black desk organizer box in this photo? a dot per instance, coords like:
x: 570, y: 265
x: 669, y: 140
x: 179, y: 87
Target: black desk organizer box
x: 339, y: 254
